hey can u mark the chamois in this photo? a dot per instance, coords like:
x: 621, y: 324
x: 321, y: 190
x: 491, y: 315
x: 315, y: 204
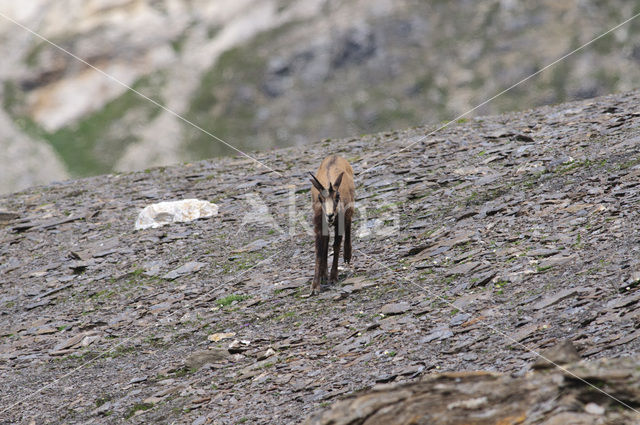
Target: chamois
x: 333, y: 195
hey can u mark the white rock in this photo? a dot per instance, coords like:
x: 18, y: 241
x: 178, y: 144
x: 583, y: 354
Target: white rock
x: 266, y: 354
x: 163, y: 213
x: 594, y: 409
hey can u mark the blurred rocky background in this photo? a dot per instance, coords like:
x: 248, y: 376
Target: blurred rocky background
x: 269, y: 73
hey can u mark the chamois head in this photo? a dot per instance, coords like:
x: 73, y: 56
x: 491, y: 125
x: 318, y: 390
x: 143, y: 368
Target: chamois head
x: 329, y: 197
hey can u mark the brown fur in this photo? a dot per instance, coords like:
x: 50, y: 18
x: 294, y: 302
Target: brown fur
x: 333, y: 169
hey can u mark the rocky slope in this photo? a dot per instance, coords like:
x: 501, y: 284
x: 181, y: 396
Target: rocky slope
x: 476, y: 245
x: 272, y: 73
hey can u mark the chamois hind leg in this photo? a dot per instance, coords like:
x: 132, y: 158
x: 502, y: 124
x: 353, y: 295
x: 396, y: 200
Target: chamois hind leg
x: 347, y: 239
x: 337, y: 240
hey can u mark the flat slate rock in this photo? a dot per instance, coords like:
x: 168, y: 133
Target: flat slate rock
x: 395, y: 308
x: 556, y: 260
x: 185, y: 269
x: 555, y: 298
x: 7, y: 216
x: 542, y: 252
x: 560, y: 354
x: 463, y: 268
x: 438, y: 334
x: 199, y: 358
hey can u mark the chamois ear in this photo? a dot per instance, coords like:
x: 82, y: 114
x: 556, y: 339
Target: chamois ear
x: 336, y: 185
x: 316, y: 183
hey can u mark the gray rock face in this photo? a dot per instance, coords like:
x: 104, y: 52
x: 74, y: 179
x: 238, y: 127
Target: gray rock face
x: 265, y: 73
x: 25, y: 161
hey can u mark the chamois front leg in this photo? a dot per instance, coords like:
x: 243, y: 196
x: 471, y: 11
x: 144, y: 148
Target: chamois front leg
x: 333, y: 278
x: 324, y: 259
x: 320, y: 275
x: 347, y: 238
